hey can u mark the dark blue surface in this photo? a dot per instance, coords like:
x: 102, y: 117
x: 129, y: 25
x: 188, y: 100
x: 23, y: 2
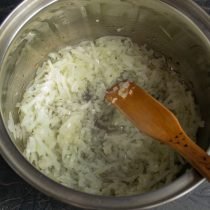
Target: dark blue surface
x: 15, y: 194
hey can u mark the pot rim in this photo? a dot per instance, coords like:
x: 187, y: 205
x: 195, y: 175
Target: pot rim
x: 186, y: 183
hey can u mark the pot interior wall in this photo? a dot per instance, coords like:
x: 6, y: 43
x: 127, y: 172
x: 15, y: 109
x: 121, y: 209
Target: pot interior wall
x: 148, y: 22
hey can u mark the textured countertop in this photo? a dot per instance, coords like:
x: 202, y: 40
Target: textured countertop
x: 15, y: 194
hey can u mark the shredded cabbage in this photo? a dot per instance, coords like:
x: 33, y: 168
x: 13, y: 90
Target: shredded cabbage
x: 73, y: 136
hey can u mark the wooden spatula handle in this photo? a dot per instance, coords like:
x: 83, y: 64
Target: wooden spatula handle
x: 155, y: 120
x: 198, y: 158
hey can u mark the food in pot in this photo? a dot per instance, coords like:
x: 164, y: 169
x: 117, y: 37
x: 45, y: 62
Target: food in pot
x: 71, y: 134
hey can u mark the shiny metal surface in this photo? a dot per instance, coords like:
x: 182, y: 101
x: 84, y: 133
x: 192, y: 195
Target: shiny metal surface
x: 176, y: 28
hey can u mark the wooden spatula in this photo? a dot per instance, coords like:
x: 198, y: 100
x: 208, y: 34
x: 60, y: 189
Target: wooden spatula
x: 154, y: 119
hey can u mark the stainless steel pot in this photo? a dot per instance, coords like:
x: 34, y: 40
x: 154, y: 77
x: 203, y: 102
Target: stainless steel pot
x: 178, y: 29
